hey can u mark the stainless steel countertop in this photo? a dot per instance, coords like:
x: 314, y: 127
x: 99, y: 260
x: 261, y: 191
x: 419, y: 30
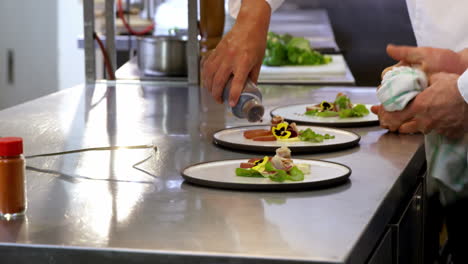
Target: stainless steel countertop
x: 165, y: 219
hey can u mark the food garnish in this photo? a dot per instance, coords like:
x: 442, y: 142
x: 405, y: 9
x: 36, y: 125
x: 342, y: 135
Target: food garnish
x: 341, y: 107
x: 280, y: 131
x: 287, y: 132
x: 278, y: 168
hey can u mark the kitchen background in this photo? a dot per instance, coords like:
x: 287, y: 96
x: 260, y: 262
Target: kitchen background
x: 45, y: 57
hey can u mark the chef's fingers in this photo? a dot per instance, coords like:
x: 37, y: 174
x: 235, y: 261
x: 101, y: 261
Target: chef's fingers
x: 237, y: 85
x: 387, y: 70
x: 205, y: 73
x: 409, y: 127
x: 393, y: 127
x: 219, y: 81
x: 210, y: 68
x: 400, y: 63
x: 384, y: 121
x: 416, y: 107
x: 407, y: 54
x: 424, y: 125
x: 255, y: 73
x: 205, y: 58
x: 394, y: 120
x: 375, y: 109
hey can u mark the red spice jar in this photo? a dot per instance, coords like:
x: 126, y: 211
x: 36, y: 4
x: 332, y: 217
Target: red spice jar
x: 12, y: 190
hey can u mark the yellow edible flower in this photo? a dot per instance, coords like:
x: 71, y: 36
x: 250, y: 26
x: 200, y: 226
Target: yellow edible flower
x: 280, y: 131
x: 326, y: 106
x: 260, y: 164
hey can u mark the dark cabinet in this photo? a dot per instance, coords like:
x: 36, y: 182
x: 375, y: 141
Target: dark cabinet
x: 409, y: 232
x: 402, y: 243
x: 383, y: 254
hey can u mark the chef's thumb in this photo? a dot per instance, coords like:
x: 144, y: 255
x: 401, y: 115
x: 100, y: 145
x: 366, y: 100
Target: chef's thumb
x: 406, y: 54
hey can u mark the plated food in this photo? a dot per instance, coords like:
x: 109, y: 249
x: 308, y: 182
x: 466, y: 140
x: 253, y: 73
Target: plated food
x: 278, y: 173
x: 341, y: 107
x: 278, y: 168
x: 338, y: 113
x: 309, y: 139
x: 281, y: 130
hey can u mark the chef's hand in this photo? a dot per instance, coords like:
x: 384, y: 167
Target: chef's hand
x: 439, y: 107
x: 408, y: 127
x: 239, y: 53
x: 429, y: 60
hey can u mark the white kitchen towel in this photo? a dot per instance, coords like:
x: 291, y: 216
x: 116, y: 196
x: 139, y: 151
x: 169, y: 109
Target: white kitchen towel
x: 399, y: 86
x: 447, y: 160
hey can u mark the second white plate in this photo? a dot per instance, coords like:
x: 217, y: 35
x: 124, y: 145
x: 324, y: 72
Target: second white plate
x: 234, y: 138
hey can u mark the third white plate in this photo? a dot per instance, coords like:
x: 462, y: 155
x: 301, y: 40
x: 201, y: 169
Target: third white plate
x: 296, y: 113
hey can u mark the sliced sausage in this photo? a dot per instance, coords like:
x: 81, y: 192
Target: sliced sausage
x: 246, y: 165
x: 265, y: 138
x: 249, y: 134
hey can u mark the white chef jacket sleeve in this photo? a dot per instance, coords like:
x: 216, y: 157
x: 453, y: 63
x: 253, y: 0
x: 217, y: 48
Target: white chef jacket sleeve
x: 234, y: 6
x: 463, y: 85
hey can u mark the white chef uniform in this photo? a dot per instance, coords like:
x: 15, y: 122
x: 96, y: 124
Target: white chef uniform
x: 443, y: 24
x: 234, y: 6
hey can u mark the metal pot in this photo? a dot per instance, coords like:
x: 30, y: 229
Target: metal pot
x: 162, y: 55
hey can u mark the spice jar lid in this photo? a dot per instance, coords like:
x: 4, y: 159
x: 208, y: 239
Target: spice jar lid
x: 11, y: 146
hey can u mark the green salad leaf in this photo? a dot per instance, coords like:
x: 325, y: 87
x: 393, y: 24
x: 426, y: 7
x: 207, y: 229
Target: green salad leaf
x: 295, y: 174
x: 279, y: 176
x: 269, y: 167
x: 359, y: 110
x: 275, y: 174
x: 346, y: 109
x: 321, y: 114
x: 327, y: 114
x: 248, y: 173
x: 310, y: 136
x: 285, y: 49
x: 311, y: 112
x: 343, y: 102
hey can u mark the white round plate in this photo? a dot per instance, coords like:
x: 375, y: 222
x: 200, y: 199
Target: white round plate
x: 221, y: 174
x: 296, y: 113
x: 234, y: 138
